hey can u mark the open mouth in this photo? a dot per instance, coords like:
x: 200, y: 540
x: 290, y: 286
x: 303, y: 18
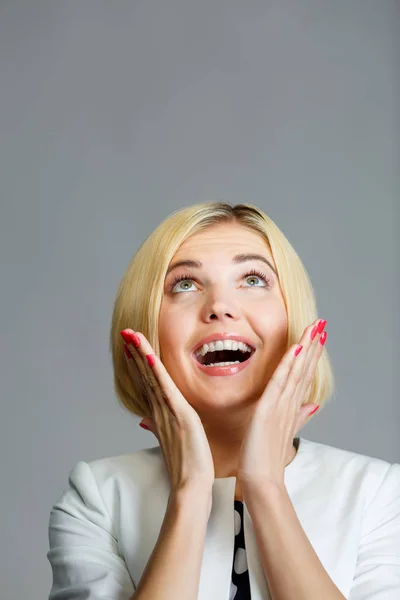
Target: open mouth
x: 221, y: 358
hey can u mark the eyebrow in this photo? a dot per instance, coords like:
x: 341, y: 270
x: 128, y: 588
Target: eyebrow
x: 237, y: 259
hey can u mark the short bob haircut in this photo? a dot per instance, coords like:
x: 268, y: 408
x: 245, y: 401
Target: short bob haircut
x: 138, y: 306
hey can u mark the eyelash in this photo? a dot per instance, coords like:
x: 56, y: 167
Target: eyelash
x: 259, y: 274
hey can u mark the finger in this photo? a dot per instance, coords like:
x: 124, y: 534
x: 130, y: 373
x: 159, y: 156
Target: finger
x: 302, y: 417
x: 279, y: 380
x: 177, y: 403
x: 161, y: 415
x: 149, y: 424
x: 301, y: 365
x: 167, y: 396
x: 137, y: 370
x: 310, y: 369
x: 160, y: 425
x: 139, y: 352
x: 289, y: 372
x: 170, y: 402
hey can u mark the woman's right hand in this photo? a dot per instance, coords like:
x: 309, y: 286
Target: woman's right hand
x: 174, y: 422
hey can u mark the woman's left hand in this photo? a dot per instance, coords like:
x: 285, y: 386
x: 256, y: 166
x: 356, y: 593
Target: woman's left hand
x: 268, y: 444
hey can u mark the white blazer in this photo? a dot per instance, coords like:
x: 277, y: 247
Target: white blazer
x: 105, y: 525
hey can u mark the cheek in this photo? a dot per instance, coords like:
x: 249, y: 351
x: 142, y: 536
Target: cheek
x: 173, y: 333
x: 271, y: 323
x: 167, y: 326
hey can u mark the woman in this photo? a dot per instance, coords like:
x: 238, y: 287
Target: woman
x: 231, y: 504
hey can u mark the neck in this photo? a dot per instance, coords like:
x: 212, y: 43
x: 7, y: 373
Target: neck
x: 225, y: 431
x: 225, y: 435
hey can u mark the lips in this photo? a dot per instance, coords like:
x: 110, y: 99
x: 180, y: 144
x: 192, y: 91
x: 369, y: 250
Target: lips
x: 239, y: 355
x: 224, y: 336
x: 223, y: 371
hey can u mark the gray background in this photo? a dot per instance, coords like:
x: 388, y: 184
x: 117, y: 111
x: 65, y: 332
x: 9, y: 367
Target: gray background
x: 114, y: 114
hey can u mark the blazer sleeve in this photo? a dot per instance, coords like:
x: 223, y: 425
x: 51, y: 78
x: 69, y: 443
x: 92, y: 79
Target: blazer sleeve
x: 84, y: 555
x: 377, y: 573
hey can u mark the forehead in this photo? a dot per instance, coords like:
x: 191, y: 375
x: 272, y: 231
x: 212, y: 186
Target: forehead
x: 225, y: 238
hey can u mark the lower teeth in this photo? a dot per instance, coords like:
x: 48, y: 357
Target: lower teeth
x: 224, y: 364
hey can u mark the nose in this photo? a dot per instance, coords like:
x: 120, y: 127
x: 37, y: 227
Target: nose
x: 220, y: 310
x: 215, y: 316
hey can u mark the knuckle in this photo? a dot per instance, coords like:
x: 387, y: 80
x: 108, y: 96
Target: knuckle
x: 150, y: 380
x: 308, y: 380
x: 298, y: 376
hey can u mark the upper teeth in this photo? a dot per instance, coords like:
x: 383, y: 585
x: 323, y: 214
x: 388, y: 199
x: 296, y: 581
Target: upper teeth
x: 223, y: 345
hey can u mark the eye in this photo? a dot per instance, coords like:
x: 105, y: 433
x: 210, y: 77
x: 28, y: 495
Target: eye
x: 178, y: 279
x: 259, y: 275
x: 251, y: 274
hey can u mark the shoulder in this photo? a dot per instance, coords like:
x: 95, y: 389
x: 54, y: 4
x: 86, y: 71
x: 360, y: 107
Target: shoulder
x: 377, y: 480
x: 143, y: 464
x: 97, y: 482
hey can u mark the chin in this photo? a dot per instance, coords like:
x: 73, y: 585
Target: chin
x: 221, y: 400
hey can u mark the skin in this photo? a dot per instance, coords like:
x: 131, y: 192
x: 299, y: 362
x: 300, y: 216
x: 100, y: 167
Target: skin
x: 221, y: 299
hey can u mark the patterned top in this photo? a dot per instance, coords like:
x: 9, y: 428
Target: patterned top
x: 240, y: 585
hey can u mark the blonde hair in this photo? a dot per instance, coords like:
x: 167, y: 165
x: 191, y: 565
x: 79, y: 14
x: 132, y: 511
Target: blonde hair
x: 138, y: 301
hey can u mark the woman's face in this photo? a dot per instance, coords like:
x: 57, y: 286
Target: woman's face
x: 220, y: 298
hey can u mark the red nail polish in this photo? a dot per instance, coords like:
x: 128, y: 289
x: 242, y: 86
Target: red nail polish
x: 323, y: 338
x: 135, y: 340
x: 150, y: 359
x: 130, y: 337
x: 298, y: 350
x: 126, y: 350
x: 126, y: 335
x: 321, y: 326
x: 144, y: 426
x: 313, y: 411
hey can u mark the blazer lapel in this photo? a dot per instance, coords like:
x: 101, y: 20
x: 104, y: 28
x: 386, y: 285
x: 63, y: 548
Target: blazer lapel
x: 216, y: 570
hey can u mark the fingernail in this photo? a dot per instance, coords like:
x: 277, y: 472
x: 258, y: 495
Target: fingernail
x: 135, y: 340
x: 298, y: 350
x: 313, y: 411
x: 321, y: 326
x: 144, y: 426
x: 150, y: 359
x: 323, y: 338
x: 126, y: 334
x: 130, y: 337
x: 126, y: 350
